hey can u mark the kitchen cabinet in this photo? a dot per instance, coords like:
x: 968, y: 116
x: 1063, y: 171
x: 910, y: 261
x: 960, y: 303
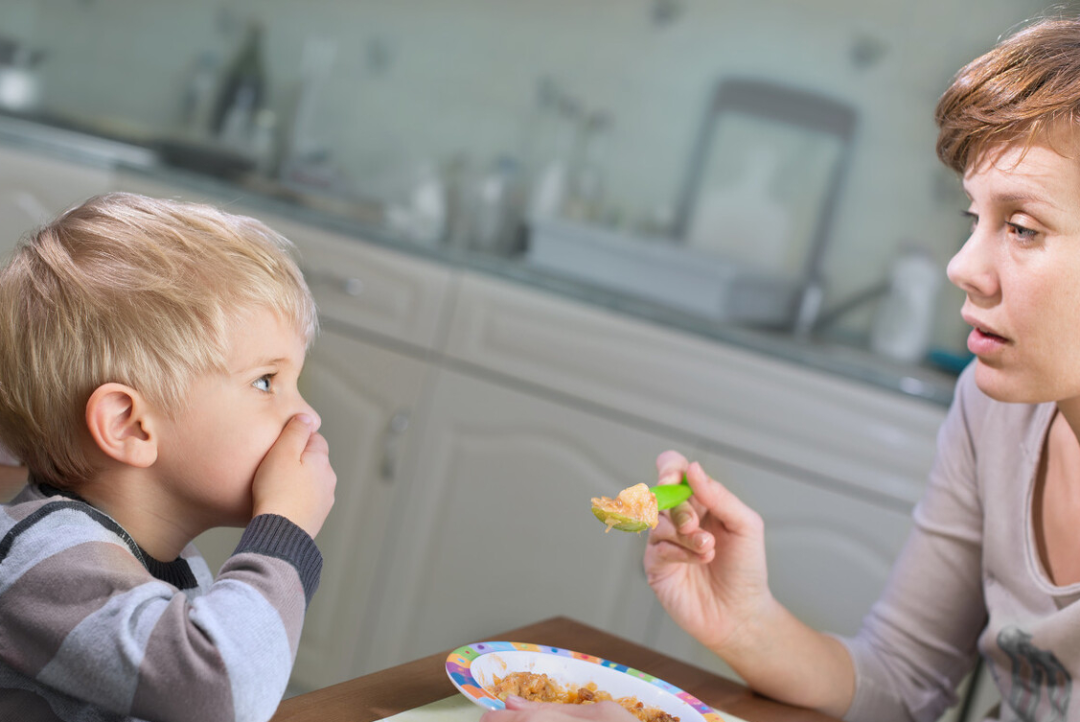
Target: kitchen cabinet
x: 495, y: 527
x: 833, y: 468
x: 367, y: 398
x: 34, y: 188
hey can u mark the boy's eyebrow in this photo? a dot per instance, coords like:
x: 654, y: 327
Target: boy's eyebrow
x: 263, y: 362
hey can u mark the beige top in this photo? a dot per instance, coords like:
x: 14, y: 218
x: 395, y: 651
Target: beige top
x: 971, y: 573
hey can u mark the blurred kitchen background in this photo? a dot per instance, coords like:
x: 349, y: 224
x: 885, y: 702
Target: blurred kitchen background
x: 480, y: 124
x: 554, y: 237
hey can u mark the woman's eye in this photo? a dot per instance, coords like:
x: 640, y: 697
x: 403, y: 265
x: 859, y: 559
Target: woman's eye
x: 263, y: 382
x: 973, y: 219
x: 1024, y: 234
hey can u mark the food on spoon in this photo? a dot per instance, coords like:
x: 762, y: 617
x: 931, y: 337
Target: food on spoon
x: 541, y: 688
x: 634, y: 509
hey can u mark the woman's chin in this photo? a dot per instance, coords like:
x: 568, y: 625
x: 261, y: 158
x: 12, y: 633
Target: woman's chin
x: 1009, y: 386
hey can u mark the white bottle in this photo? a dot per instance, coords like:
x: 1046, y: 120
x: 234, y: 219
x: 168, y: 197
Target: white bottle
x: 428, y: 207
x: 905, y: 319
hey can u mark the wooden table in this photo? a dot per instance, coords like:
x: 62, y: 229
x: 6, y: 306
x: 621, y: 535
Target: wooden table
x: 423, y: 681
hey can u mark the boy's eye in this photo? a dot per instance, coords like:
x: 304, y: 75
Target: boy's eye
x: 263, y: 382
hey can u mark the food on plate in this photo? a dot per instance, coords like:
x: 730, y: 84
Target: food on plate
x: 634, y: 509
x: 541, y: 688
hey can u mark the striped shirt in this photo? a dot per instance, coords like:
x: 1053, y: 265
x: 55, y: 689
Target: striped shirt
x: 93, y: 629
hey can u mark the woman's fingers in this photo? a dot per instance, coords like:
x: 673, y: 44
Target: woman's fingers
x: 670, y: 467
x: 676, y: 546
x: 721, y: 506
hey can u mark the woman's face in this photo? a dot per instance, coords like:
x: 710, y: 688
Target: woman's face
x: 1020, y: 270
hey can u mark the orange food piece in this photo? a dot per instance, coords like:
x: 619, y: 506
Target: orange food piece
x: 636, y: 502
x: 541, y: 688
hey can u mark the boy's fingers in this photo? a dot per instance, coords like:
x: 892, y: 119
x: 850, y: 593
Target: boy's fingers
x: 317, y: 444
x: 296, y: 435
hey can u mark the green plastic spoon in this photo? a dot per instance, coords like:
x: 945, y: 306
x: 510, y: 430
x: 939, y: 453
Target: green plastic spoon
x: 667, y: 496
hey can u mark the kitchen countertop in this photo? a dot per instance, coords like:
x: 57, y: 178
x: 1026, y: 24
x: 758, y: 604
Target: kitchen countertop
x: 137, y: 156
x: 407, y: 686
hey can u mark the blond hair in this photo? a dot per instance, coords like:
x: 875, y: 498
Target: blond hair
x: 134, y: 290
x: 1020, y: 92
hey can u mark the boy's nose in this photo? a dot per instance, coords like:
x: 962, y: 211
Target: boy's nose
x: 306, y: 408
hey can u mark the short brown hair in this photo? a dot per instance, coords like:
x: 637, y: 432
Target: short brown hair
x: 1017, y: 93
x: 127, y: 289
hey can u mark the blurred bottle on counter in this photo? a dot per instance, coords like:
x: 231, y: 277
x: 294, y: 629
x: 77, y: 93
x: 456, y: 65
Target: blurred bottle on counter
x: 585, y: 198
x: 307, y: 155
x: 199, y: 95
x: 262, y: 145
x: 497, y: 208
x: 242, y: 93
x: 422, y: 215
x: 550, y: 183
x: 904, y: 321
x: 461, y: 185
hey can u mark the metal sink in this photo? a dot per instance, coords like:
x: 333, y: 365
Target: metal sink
x: 665, y: 272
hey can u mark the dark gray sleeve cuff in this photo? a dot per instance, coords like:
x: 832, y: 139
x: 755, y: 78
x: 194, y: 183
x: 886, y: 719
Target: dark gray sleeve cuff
x: 275, y: 536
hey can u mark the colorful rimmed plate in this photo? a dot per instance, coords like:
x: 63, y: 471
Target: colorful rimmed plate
x: 472, y: 669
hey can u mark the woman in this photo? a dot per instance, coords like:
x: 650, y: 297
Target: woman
x: 992, y: 566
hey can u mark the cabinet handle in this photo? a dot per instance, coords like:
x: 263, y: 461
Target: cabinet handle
x: 399, y: 424
x: 349, y: 285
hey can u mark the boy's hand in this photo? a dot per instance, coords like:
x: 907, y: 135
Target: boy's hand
x: 295, y: 479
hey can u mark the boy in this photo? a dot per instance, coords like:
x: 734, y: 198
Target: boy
x: 149, y: 354
x: 12, y: 475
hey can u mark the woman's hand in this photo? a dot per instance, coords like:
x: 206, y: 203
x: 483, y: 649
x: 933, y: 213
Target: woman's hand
x: 520, y: 710
x: 706, y: 558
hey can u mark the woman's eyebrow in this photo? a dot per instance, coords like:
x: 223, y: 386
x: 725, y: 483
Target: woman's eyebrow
x: 1017, y: 197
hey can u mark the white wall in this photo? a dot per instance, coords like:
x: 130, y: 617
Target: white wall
x: 424, y: 79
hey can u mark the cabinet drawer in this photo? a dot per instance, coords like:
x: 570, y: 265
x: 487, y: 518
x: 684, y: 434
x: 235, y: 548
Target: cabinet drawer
x: 734, y: 400
x: 356, y: 283
x: 369, y: 287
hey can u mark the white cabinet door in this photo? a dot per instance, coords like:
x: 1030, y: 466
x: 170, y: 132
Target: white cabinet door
x: 496, y: 530
x: 367, y: 398
x: 34, y: 188
x: 829, y: 553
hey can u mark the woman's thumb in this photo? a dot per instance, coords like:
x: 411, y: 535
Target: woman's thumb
x: 721, y: 504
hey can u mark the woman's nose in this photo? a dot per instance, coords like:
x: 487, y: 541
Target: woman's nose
x: 971, y: 269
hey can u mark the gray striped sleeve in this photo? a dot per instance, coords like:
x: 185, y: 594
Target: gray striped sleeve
x: 81, y: 618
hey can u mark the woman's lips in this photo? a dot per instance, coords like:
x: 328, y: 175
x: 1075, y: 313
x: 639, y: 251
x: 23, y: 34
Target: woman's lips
x: 983, y: 343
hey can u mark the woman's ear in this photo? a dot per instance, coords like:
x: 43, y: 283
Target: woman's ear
x: 121, y: 423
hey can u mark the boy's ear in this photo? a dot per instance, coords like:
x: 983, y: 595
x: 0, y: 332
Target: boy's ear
x: 121, y: 423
